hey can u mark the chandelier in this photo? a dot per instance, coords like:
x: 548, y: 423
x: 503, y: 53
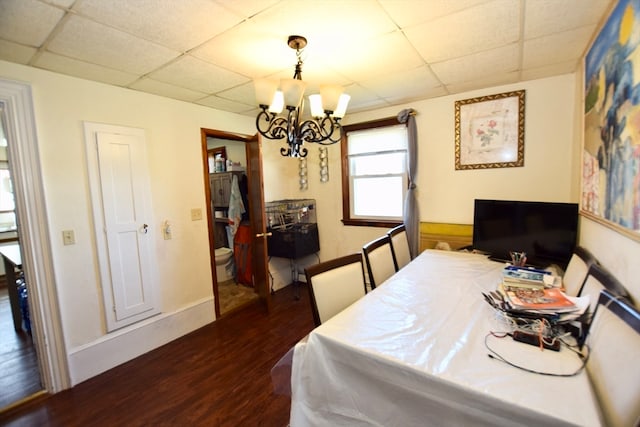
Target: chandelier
x: 327, y: 108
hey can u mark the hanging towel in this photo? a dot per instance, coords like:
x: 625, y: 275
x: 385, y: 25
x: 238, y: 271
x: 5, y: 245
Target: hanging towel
x: 236, y: 207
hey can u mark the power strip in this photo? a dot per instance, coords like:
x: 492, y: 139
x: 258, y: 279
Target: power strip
x: 533, y: 339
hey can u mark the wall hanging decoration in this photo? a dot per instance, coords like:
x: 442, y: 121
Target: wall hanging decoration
x: 611, y: 151
x: 302, y: 171
x: 323, y: 153
x: 490, y: 131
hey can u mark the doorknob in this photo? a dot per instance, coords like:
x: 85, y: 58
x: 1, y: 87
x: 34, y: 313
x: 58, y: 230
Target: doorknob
x: 145, y: 229
x: 264, y: 234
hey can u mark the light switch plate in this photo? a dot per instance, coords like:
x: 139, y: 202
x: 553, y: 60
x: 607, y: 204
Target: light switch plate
x: 68, y: 237
x: 196, y: 214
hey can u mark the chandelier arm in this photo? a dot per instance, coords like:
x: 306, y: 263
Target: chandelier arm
x: 319, y: 131
x: 277, y: 127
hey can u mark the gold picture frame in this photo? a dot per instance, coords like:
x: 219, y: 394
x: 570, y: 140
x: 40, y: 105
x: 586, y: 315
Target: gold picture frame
x: 490, y: 131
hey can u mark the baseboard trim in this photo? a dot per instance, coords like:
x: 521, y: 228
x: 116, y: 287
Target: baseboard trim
x: 132, y: 341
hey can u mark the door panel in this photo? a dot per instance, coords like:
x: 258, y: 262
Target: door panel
x: 258, y: 220
x: 120, y: 195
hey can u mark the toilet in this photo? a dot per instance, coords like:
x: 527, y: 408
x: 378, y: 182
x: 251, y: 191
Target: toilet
x: 224, y: 264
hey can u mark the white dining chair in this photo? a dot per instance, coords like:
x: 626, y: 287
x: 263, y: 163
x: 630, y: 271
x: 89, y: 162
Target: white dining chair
x: 577, y: 270
x: 379, y: 258
x: 599, y: 278
x: 334, y: 285
x: 400, y: 246
x: 614, y: 345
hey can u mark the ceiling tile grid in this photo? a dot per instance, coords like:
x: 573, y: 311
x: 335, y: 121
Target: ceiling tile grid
x: 384, y: 52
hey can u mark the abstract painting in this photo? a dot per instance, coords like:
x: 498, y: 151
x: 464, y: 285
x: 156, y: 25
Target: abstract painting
x: 611, y: 151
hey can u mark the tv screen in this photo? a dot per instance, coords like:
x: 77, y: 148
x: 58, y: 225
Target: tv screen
x: 547, y: 232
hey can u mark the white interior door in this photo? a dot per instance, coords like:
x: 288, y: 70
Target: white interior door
x: 120, y: 193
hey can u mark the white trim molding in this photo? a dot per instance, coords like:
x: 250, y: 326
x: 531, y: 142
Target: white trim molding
x: 135, y: 340
x: 16, y: 103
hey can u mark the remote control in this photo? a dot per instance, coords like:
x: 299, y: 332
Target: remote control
x: 533, y: 339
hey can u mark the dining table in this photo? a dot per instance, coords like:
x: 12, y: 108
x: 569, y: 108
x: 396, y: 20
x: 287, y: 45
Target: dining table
x: 425, y: 349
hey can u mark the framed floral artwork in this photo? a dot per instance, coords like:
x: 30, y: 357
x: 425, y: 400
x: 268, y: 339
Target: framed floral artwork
x: 490, y: 131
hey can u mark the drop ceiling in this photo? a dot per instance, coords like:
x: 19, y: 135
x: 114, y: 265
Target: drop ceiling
x: 384, y: 52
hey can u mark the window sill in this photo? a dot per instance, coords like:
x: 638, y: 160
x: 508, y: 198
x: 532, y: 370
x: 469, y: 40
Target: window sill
x: 371, y: 223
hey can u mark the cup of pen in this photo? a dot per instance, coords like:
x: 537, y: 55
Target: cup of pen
x: 518, y: 258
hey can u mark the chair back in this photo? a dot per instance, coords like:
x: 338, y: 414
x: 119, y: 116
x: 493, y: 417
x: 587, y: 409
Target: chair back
x: 599, y: 278
x: 614, y: 346
x: 334, y: 285
x: 577, y: 270
x: 400, y: 246
x: 379, y: 259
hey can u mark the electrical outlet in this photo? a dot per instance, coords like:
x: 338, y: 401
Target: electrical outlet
x: 196, y: 214
x: 68, y: 237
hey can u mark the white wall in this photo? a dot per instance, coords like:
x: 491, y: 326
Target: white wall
x: 553, y: 135
x: 177, y: 185
x: 173, y: 132
x: 445, y: 194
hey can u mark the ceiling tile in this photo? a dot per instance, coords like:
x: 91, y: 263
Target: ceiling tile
x: 242, y: 94
x: 195, y: 74
x: 408, y: 13
x: 544, y: 17
x: 555, y: 48
x: 550, y: 70
x: 179, y: 25
x: 246, y: 50
x: 92, y: 42
x: 224, y: 104
x: 467, y: 68
x: 487, y: 82
x: 371, y: 57
x: 326, y: 25
x: 167, y: 90
x: 27, y: 22
x: 403, y: 83
x: 472, y: 30
x: 62, y: 3
x: 14, y: 52
x: 73, y: 67
x: 247, y: 8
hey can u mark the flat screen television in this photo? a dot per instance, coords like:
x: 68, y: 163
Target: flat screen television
x: 547, y: 232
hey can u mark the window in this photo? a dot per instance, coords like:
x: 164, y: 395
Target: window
x: 7, y: 205
x: 374, y: 175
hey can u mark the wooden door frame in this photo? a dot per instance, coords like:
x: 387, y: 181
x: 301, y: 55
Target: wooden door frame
x: 213, y: 133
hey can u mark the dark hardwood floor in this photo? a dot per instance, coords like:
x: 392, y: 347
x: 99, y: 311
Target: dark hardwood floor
x: 19, y: 374
x: 219, y: 375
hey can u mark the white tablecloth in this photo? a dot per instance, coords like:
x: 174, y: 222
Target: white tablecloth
x: 412, y: 353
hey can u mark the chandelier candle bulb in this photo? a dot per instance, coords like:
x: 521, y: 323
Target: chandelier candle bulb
x: 315, y: 104
x: 292, y: 89
x: 277, y: 105
x: 330, y: 95
x: 342, y: 106
x: 265, y: 90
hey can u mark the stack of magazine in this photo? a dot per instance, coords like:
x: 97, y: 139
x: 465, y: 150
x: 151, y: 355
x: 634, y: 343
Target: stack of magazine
x: 533, y: 292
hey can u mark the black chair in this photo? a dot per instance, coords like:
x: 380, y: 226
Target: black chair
x: 577, y: 270
x: 614, y: 346
x: 334, y: 285
x: 380, y: 261
x: 400, y: 246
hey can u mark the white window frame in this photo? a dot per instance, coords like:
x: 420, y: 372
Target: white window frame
x: 348, y: 176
